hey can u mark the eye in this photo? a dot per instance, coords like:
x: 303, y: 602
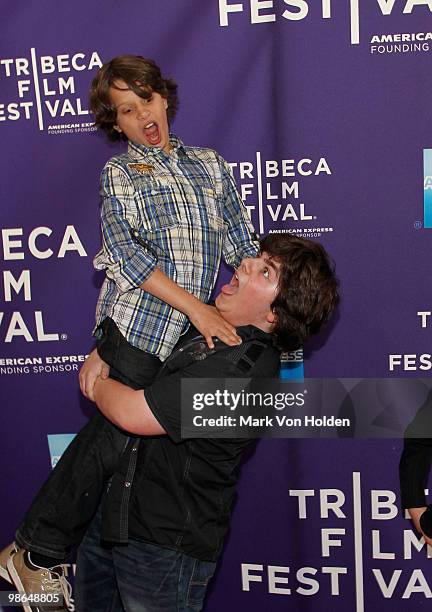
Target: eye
x: 125, y: 111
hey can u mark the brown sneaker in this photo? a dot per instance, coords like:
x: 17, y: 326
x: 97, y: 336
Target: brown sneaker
x: 41, y: 582
x: 4, y: 558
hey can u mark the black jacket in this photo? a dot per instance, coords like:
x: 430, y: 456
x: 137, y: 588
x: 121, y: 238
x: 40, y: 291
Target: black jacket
x: 178, y: 493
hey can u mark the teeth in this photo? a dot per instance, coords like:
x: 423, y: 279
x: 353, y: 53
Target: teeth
x: 149, y: 125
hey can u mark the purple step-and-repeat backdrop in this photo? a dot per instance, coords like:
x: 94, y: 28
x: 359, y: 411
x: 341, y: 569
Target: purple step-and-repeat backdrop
x: 323, y: 110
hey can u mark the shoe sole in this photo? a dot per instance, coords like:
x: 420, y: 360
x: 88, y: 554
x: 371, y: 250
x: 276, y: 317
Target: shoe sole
x: 5, y: 574
x: 17, y: 582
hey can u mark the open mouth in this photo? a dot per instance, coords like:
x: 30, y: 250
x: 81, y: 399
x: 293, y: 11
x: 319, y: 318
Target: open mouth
x: 152, y: 133
x: 231, y: 287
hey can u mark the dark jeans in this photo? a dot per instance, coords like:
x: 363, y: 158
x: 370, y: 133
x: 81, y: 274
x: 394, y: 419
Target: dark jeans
x: 67, y: 502
x: 139, y: 577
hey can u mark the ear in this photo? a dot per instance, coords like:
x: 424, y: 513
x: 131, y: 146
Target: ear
x: 271, y: 317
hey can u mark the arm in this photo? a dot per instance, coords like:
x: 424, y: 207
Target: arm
x: 126, y: 408
x: 205, y: 318
x: 132, y: 266
x: 126, y: 262
x: 415, y: 463
x: 240, y: 240
x: 414, y: 468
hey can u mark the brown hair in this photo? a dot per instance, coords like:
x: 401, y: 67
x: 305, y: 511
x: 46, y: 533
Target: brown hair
x: 308, y: 288
x: 142, y: 76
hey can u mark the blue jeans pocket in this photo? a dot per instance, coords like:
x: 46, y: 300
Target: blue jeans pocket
x: 201, y: 574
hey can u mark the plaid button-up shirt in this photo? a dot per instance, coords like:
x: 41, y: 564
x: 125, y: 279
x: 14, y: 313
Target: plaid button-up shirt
x: 180, y: 212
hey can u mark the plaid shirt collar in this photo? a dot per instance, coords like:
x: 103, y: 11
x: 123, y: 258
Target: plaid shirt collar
x: 138, y: 151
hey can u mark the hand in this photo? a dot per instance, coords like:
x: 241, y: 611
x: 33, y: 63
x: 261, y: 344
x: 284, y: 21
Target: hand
x: 92, y: 369
x: 415, y: 514
x: 209, y: 323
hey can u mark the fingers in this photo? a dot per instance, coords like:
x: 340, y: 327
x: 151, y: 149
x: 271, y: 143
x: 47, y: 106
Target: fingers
x: 229, y: 338
x: 92, y: 369
x: 209, y: 340
x: 228, y: 334
x: 86, y: 385
x: 82, y: 384
x: 210, y: 324
x: 105, y: 370
x: 89, y: 393
x: 83, y: 380
x: 90, y: 383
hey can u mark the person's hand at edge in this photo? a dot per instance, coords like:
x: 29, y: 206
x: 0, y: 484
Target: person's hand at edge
x: 415, y: 514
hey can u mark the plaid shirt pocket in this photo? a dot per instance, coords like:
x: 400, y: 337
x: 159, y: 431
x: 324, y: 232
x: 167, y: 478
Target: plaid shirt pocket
x: 157, y: 205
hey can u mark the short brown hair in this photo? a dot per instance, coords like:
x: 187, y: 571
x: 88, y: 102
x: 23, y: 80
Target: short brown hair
x: 142, y: 76
x: 308, y: 288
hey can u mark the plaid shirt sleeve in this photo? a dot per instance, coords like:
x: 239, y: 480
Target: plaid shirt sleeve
x: 241, y: 240
x: 127, y: 263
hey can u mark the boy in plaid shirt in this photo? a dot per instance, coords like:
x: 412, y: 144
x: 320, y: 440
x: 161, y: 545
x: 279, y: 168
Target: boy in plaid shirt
x: 169, y: 213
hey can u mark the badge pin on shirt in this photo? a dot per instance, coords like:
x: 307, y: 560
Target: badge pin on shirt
x: 142, y: 168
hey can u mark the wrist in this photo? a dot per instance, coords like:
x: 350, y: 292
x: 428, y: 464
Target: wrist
x: 192, y: 305
x: 97, y: 388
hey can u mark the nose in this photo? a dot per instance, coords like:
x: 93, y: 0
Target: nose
x: 246, y: 265
x: 143, y: 112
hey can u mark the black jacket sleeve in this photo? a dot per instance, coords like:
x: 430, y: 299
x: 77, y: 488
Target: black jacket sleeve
x: 415, y: 462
